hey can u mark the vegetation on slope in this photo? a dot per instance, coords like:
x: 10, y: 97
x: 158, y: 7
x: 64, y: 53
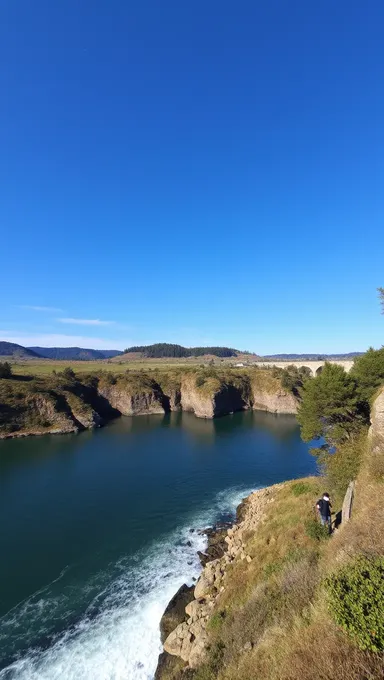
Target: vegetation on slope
x: 309, y: 606
x: 164, y: 349
x: 41, y: 404
x: 5, y: 369
x: 60, y: 402
x: 288, y: 613
x: 335, y: 409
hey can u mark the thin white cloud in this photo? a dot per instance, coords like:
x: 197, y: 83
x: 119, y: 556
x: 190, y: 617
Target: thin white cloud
x: 62, y: 340
x: 38, y: 308
x: 86, y: 322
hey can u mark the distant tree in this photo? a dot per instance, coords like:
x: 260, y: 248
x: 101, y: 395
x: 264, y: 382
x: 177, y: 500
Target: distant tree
x: 381, y: 298
x: 69, y: 373
x: 167, y: 350
x: 5, y: 370
x: 329, y: 406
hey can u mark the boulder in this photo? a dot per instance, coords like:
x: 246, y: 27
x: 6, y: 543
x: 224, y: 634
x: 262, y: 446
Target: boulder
x: 169, y: 666
x: 203, y: 586
x: 174, y: 613
x: 178, y: 642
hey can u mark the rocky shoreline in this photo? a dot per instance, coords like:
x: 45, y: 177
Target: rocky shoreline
x: 184, y: 623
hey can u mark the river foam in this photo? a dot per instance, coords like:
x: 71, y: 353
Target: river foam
x: 118, y: 636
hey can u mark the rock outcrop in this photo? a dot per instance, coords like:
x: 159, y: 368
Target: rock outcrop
x: 267, y: 394
x: 175, y: 611
x: 59, y: 405
x: 131, y: 402
x: 212, y: 398
x: 280, y: 401
x: 189, y: 639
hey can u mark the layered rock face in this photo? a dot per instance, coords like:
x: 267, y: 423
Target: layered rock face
x: 198, y: 402
x: 189, y: 639
x: 275, y: 402
x: 53, y: 413
x: 130, y: 402
x: 47, y: 412
x: 211, y: 399
x: 376, y: 432
x: 58, y: 406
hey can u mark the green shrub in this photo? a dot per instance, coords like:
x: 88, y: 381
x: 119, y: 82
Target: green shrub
x: 315, y: 530
x: 300, y: 488
x: 5, y: 370
x: 69, y: 373
x: 356, y: 601
x: 273, y: 568
x: 216, y: 621
x: 200, y: 380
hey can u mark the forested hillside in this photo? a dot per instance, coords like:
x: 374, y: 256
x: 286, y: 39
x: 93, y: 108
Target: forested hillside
x: 164, y: 349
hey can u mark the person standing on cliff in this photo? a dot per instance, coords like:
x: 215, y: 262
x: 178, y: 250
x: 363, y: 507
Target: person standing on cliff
x: 323, y: 507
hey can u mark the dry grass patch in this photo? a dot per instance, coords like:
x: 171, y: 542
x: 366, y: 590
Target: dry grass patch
x: 304, y: 651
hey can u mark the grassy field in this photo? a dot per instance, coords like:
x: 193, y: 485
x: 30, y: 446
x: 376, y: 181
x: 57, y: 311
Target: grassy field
x: 45, y: 366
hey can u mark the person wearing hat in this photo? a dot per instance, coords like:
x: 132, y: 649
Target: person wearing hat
x: 323, y: 507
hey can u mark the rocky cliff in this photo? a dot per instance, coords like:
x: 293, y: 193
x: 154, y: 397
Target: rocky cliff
x: 56, y: 404
x: 268, y: 394
x: 129, y: 401
x: 189, y: 640
x: 211, y: 398
x: 42, y: 407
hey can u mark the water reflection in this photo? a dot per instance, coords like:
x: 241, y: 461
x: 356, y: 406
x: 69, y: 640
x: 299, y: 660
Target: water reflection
x: 34, y: 451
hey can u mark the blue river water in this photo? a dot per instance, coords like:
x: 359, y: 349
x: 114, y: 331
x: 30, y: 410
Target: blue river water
x: 99, y: 530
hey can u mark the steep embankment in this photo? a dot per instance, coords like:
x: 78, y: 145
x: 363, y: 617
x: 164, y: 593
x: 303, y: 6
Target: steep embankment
x: 133, y: 395
x: 68, y: 403
x: 267, y: 393
x: 376, y: 432
x: 260, y: 610
x: 55, y: 405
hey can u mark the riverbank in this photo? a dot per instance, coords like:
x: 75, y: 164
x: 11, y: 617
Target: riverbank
x: 194, y: 609
x: 259, y: 609
x: 68, y: 403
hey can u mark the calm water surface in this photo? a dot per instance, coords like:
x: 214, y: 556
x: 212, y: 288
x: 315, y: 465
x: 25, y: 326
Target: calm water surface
x: 97, y: 533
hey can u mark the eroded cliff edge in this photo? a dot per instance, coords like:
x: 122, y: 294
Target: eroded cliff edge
x: 58, y: 404
x: 189, y: 640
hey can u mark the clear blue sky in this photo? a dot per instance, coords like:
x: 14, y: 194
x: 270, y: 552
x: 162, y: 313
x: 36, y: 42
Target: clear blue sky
x: 193, y: 172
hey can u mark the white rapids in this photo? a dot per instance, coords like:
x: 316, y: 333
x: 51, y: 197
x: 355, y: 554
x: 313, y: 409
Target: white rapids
x: 122, y: 641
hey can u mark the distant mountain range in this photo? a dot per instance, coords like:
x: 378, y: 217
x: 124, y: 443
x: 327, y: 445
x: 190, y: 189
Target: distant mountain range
x: 311, y: 357
x: 161, y: 350
x: 74, y: 353
x: 12, y: 350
